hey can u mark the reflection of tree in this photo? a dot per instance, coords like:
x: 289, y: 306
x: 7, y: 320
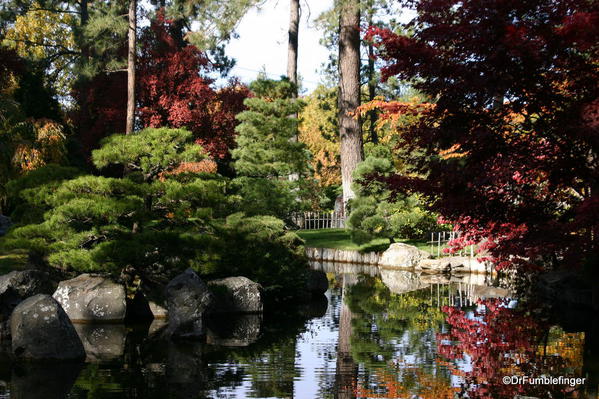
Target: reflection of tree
x: 502, y: 341
x: 390, y: 328
x: 346, y: 369
x: 273, y: 372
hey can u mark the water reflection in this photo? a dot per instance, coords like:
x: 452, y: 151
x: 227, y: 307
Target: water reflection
x: 376, y: 334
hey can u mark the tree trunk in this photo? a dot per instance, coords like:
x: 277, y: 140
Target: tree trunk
x: 294, y: 18
x: 372, y: 114
x: 293, y: 41
x: 131, y: 67
x: 349, y: 93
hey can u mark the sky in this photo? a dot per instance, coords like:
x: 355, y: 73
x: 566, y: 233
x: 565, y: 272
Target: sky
x: 262, y: 42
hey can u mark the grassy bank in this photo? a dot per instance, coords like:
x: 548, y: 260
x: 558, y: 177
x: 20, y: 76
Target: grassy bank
x: 12, y: 261
x: 340, y: 239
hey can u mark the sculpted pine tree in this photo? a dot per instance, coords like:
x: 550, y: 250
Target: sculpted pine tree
x: 142, y: 221
x: 349, y: 93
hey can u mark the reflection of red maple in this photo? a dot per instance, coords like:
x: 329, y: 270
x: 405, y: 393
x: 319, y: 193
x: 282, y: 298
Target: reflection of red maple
x: 500, y: 341
x: 516, y: 97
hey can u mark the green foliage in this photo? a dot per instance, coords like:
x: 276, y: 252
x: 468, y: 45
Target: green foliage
x: 150, y: 151
x: 265, y: 141
x: 260, y: 248
x: 374, y: 213
x: 268, y: 152
x: 156, y: 225
x: 262, y: 196
x: 96, y: 223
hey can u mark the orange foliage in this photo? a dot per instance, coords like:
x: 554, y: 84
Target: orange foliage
x: 203, y: 166
x: 48, y: 147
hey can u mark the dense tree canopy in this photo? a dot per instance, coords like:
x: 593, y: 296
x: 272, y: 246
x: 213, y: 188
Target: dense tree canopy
x: 509, y: 150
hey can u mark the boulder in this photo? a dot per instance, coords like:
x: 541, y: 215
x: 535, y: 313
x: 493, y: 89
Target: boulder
x: 92, y: 298
x: 402, y: 256
x: 41, y: 330
x: 236, y: 295
x: 317, y: 282
x: 188, y: 299
x: 441, y: 265
x: 102, y: 342
x: 14, y: 288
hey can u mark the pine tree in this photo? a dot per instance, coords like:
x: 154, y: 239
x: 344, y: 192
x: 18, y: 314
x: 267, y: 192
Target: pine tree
x: 266, y: 153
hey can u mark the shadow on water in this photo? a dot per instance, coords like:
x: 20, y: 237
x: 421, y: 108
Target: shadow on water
x: 376, y: 334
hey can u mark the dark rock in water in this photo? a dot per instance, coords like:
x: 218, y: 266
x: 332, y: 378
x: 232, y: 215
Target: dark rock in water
x: 234, y: 330
x: 91, y: 298
x: 14, y: 288
x: 236, y: 295
x: 317, y: 282
x: 43, y: 381
x: 102, y: 342
x: 4, y: 224
x: 188, y: 299
x: 41, y: 330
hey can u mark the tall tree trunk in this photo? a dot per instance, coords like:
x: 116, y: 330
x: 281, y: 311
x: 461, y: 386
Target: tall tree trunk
x: 131, y: 67
x: 372, y: 114
x: 349, y: 93
x: 294, y: 17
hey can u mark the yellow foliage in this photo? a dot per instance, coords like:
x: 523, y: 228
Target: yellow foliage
x: 319, y: 133
x: 39, y: 35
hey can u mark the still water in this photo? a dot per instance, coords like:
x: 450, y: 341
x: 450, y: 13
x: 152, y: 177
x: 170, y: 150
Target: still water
x: 375, y: 334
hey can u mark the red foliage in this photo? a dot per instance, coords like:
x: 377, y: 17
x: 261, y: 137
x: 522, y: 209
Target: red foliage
x: 516, y: 89
x: 174, y: 90
x: 102, y: 109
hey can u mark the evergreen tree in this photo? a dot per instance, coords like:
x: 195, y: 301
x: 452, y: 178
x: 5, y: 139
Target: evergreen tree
x: 266, y: 153
x: 375, y: 212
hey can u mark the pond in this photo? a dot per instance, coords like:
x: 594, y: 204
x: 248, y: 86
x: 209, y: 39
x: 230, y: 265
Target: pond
x: 375, y: 334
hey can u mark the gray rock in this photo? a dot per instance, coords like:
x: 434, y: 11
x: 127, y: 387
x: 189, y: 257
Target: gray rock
x: 236, y: 295
x: 41, y: 330
x: 91, y: 298
x: 188, y: 299
x: 14, y: 288
x: 318, y: 283
x: 401, y: 255
x: 102, y: 342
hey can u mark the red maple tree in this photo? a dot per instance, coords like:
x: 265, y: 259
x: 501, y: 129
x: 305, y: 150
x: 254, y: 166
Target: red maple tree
x: 175, y: 90
x: 510, y: 147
